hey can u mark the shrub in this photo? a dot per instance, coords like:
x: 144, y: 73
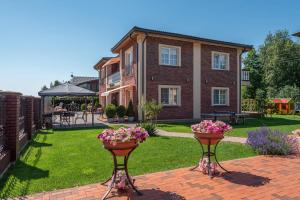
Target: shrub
x: 149, y: 127
x: 271, y: 142
x: 121, y: 110
x: 130, y: 110
x: 152, y: 109
x: 83, y: 107
x: 110, y: 110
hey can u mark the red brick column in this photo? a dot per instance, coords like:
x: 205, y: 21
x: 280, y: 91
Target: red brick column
x: 28, y: 116
x: 37, y: 117
x: 12, y: 109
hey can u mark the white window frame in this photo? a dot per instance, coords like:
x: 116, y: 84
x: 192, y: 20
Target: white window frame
x: 213, y: 53
x: 227, y: 97
x: 168, y: 87
x: 178, y: 48
x: 128, y: 51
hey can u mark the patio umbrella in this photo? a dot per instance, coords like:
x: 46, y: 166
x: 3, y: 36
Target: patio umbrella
x: 67, y: 89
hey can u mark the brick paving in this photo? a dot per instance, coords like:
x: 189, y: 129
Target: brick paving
x: 261, y: 177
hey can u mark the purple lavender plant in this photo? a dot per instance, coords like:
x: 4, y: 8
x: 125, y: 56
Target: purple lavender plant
x: 271, y: 142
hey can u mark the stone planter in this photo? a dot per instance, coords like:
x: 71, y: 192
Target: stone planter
x: 130, y: 119
x: 205, y: 137
x: 121, y: 148
x: 110, y: 120
x: 121, y: 119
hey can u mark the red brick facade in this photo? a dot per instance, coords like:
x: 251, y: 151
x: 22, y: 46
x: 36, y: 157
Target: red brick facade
x: 170, y: 75
x: 218, y: 78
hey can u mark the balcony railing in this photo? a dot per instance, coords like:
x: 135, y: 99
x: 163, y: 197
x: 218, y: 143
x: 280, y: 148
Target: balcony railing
x: 245, y: 76
x: 113, y: 79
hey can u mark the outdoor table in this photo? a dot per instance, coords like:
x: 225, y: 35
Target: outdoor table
x: 209, y: 154
x: 216, y: 115
x: 120, y: 167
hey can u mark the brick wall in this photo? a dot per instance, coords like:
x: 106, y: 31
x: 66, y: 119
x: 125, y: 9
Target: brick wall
x: 218, y: 78
x: 129, y: 79
x: 170, y: 75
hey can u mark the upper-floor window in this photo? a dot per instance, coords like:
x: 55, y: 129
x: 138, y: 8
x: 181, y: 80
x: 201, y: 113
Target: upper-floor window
x: 220, y: 60
x: 128, y: 61
x: 169, y: 95
x: 220, y: 96
x: 169, y: 55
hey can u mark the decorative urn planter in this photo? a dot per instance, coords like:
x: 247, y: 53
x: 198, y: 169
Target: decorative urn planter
x: 204, y: 138
x: 121, y: 148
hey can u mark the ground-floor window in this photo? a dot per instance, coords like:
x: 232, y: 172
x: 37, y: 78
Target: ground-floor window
x: 220, y: 96
x: 169, y: 95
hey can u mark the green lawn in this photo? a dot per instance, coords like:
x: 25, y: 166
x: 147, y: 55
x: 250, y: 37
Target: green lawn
x: 63, y: 159
x: 285, y: 123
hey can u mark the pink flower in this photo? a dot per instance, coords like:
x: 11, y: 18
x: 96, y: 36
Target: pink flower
x: 210, y: 127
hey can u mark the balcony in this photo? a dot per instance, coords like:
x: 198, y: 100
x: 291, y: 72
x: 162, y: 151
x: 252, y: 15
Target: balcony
x: 113, y: 80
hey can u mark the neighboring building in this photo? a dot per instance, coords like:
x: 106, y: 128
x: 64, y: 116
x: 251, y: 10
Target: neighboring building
x: 245, y: 77
x: 188, y: 75
x: 90, y: 83
x: 297, y: 34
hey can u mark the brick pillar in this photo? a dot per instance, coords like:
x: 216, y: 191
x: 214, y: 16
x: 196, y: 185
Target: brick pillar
x: 37, y: 112
x: 28, y: 116
x: 12, y: 109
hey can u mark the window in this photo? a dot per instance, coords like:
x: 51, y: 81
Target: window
x: 169, y: 55
x: 169, y: 95
x: 220, y: 61
x: 128, y: 61
x: 220, y: 96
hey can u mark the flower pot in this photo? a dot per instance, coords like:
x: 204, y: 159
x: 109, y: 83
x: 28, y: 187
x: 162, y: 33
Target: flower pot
x: 121, y: 119
x: 130, y: 119
x: 110, y: 120
x: 204, y: 138
x: 121, y: 148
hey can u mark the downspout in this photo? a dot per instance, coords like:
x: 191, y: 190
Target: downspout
x: 143, y: 71
x: 240, y: 77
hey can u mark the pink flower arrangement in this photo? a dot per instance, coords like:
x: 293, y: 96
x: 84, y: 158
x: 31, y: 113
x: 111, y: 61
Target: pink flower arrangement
x: 123, y: 135
x: 296, y: 132
x: 210, y: 127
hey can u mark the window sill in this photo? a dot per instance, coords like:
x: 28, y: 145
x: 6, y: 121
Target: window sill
x: 220, y: 69
x: 173, y: 66
x: 165, y: 105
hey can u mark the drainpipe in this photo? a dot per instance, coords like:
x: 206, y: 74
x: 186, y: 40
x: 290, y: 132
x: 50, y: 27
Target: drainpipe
x: 143, y: 71
x: 240, y: 82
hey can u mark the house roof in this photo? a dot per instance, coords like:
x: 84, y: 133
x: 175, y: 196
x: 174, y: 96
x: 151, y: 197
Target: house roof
x: 112, y: 61
x: 101, y: 62
x: 164, y: 33
x: 76, y: 80
x: 297, y: 34
x: 67, y: 89
x: 281, y: 100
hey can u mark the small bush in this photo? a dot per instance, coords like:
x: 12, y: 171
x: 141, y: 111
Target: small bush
x: 271, y: 142
x: 83, y: 107
x: 110, y: 110
x: 150, y: 128
x: 121, y: 110
x: 130, y: 110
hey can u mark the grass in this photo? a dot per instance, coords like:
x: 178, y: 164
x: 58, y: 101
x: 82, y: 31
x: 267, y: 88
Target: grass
x: 285, y: 123
x: 63, y: 159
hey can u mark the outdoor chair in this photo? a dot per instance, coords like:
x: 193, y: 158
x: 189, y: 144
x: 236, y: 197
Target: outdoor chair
x: 81, y: 116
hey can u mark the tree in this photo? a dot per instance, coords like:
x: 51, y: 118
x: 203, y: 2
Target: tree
x: 252, y: 64
x: 55, y: 83
x: 280, y: 57
x: 44, y: 88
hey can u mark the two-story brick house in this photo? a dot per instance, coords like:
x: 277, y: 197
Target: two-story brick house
x: 188, y: 75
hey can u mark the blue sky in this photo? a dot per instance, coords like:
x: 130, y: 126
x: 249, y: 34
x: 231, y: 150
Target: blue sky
x: 41, y: 41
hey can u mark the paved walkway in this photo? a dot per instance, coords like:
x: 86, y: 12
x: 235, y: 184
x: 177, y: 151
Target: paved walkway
x: 260, y: 177
x: 189, y: 135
